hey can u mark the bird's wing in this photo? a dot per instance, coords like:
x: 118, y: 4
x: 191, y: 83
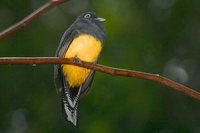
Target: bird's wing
x: 87, y: 85
x: 69, y: 97
x: 65, y: 42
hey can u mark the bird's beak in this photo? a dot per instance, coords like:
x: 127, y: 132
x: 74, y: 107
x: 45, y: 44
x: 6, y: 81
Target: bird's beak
x: 101, y: 19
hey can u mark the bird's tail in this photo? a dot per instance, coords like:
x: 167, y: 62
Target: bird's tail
x: 70, y: 100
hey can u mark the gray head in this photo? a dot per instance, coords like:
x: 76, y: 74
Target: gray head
x: 89, y: 23
x: 91, y: 16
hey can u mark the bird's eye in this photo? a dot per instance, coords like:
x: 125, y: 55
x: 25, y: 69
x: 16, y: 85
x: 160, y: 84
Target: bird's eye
x: 87, y: 16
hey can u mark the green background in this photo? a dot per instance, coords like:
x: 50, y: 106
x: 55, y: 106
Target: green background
x: 156, y: 36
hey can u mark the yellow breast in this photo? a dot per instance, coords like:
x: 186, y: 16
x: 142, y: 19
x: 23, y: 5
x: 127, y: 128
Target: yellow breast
x: 86, y: 48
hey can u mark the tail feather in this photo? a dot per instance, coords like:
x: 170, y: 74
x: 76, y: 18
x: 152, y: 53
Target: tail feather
x: 70, y: 105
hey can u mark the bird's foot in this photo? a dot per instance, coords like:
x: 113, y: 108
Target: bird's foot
x: 78, y: 60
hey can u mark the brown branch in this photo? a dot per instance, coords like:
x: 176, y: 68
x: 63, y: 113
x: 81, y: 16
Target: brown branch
x: 29, y: 19
x: 104, y: 69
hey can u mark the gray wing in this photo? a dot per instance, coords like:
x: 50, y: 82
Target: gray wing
x: 87, y: 85
x: 69, y: 98
x: 66, y: 40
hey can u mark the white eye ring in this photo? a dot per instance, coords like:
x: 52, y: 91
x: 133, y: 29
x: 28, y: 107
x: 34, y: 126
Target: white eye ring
x: 87, y: 16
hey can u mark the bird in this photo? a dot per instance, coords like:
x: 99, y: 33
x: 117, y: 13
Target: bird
x: 83, y: 40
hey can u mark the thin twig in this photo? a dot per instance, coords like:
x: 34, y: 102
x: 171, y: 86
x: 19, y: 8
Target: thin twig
x: 104, y: 69
x: 29, y: 19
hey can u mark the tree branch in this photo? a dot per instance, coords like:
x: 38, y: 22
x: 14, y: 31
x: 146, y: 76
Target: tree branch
x: 105, y: 69
x: 29, y: 19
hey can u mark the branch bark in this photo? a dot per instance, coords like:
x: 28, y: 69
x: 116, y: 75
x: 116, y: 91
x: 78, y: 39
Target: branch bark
x: 29, y: 19
x: 105, y: 69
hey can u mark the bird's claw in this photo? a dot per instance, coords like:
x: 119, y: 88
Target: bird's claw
x: 78, y: 60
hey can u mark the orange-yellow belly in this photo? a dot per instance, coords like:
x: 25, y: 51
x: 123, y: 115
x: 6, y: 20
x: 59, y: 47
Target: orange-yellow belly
x: 86, y: 48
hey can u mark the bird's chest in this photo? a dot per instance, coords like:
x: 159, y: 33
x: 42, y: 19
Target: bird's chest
x: 86, y: 48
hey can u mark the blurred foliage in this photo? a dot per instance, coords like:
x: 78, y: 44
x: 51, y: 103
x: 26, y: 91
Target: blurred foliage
x: 157, y: 36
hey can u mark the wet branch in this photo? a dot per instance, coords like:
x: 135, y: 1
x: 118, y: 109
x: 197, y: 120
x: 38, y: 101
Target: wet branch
x: 105, y: 69
x: 29, y: 19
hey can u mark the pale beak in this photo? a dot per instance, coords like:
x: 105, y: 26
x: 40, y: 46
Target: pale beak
x: 101, y: 19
